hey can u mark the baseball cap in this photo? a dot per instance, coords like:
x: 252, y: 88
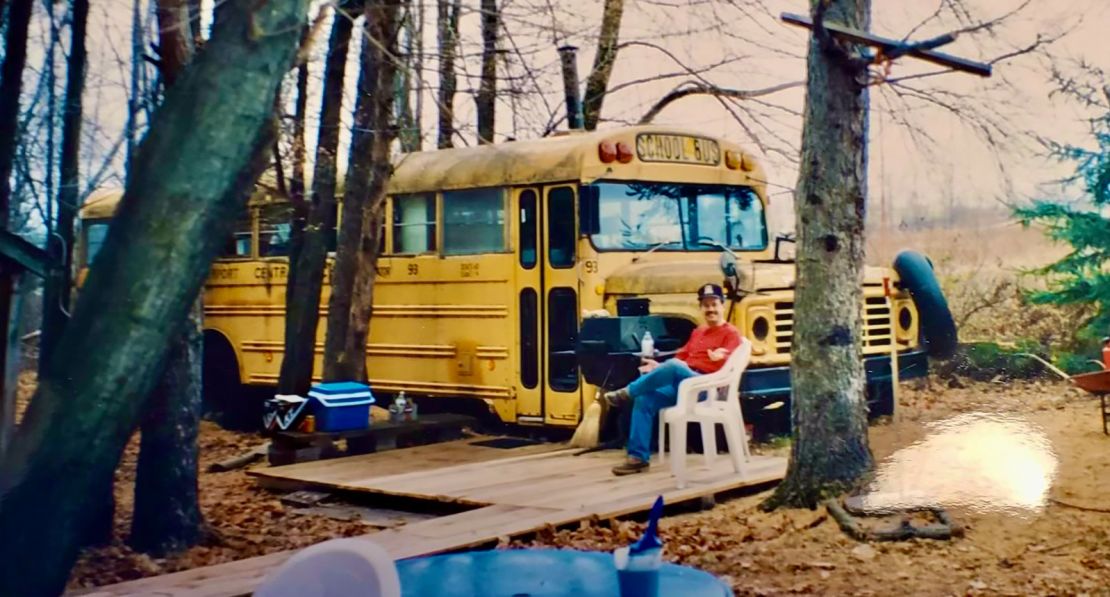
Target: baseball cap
x: 711, y: 290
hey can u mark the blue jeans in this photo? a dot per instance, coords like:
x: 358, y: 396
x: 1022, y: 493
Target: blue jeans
x: 652, y: 393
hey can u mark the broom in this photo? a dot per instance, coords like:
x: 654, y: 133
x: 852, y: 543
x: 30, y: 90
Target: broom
x: 586, y: 436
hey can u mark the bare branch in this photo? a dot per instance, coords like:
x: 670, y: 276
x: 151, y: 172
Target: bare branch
x: 695, y: 88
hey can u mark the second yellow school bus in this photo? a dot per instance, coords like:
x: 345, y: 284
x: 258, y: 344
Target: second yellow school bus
x: 494, y: 255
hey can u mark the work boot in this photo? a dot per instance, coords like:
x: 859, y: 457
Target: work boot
x: 630, y: 466
x: 617, y: 398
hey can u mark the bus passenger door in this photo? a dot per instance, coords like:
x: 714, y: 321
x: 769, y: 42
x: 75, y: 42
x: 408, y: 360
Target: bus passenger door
x: 529, y: 308
x: 562, y: 391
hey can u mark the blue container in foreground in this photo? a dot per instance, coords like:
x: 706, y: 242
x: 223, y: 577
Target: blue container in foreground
x: 341, y: 406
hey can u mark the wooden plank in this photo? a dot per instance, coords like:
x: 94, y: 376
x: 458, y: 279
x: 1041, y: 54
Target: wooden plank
x: 583, y: 490
x: 351, y: 472
x: 888, y: 45
x: 461, y: 480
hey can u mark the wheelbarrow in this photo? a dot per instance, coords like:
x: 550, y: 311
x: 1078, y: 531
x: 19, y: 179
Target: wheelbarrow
x: 1097, y: 382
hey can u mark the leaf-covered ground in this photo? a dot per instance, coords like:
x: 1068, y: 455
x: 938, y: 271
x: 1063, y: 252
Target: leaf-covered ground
x: 1059, y: 549
x: 1056, y: 550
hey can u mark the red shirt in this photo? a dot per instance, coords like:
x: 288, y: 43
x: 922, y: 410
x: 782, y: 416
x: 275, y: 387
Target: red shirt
x: 702, y: 340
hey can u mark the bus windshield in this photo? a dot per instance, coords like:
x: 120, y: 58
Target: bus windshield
x: 679, y: 217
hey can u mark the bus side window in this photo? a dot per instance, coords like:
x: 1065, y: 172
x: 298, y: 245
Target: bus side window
x: 239, y: 245
x: 560, y: 226
x: 474, y: 221
x: 274, y: 228
x: 414, y: 224
x: 95, y: 233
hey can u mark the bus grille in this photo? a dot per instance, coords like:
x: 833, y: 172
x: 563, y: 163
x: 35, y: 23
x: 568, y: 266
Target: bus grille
x: 876, y: 325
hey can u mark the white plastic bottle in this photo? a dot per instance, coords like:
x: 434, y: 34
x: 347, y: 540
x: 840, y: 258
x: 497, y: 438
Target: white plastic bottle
x: 647, y: 346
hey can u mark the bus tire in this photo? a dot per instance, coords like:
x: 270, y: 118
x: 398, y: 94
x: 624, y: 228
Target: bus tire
x: 938, y: 328
x: 226, y: 400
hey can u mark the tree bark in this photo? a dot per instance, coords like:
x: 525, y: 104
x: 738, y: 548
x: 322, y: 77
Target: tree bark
x: 598, y: 82
x: 302, y: 302
x: 167, y: 513
x: 300, y: 212
x: 56, y: 291
x: 448, y: 39
x: 487, y: 88
x: 11, y: 86
x: 830, y: 452
x: 135, y: 87
x: 167, y: 516
x: 206, y: 146
x: 175, y: 40
x: 368, y: 172
x: 408, y: 125
x: 194, y: 22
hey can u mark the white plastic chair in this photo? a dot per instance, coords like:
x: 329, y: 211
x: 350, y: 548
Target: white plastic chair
x: 709, y: 413
x: 335, y: 568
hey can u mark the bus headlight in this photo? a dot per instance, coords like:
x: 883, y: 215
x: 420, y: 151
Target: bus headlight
x: 760, y: 329
x: 904, y: 322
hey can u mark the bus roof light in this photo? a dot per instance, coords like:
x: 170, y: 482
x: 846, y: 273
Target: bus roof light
x: 606, y: 152
x: 624, y: 152
x: 732, y: 160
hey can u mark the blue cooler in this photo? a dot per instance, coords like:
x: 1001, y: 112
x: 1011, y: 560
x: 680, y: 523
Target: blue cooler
x: 341, y: 406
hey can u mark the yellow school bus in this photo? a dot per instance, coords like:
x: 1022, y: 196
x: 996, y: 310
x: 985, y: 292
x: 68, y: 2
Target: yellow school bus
x: 496, y: 255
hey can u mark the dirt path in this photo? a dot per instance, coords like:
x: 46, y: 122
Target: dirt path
x: 1054, y: 550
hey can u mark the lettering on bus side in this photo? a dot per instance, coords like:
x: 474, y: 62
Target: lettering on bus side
x: 468, y: 270
x: 224, y: 273
x: 269, y: 273
x: 589, y: 266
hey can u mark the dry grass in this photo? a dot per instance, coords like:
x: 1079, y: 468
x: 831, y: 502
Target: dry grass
x: 983, y: 272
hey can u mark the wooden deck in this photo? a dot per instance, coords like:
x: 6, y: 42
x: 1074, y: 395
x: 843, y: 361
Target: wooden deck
x: 525, y: 490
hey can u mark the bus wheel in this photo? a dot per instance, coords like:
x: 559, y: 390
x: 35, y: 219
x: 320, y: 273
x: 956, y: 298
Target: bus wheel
x: 227, y: 401
x: 937, y: 326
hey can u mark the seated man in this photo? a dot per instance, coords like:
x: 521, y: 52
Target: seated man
x: 706, y: 351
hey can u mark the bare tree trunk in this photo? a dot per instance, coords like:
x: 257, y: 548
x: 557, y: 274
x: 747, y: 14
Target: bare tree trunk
x: 407, y: 123
x: 418, y: 70
x: 56, y: 292
x: 830, y: 452
x: 300, y: 113
x: 368, y: 172
x: 167, y: 513
x: 302, y: 298
x: 194, y: 22
x: 448, y: 34
x: 177, y: 211
x: 167, y: 516
x: 597, y: 85
x: 11, y: 86
x: 300, y: 212
x: 487, y: 89
x: 134, y: 91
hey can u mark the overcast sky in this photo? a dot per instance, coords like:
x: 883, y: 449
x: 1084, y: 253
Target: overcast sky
x: 923, y: 156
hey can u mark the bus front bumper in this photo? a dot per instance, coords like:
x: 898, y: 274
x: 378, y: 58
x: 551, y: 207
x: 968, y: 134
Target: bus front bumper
x: 761, y: 387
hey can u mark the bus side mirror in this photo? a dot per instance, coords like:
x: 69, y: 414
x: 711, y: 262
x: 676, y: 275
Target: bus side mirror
x: 589, y: 219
